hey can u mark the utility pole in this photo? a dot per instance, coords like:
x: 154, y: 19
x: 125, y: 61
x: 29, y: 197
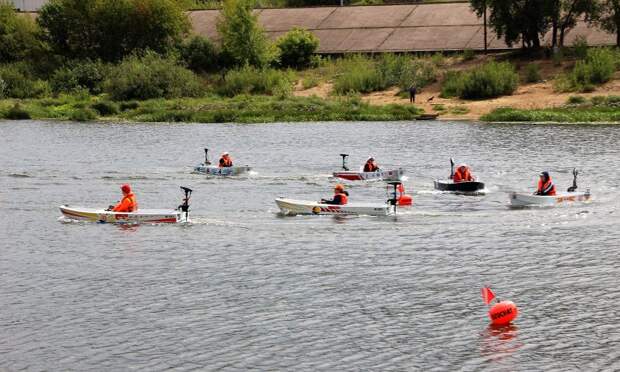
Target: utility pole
x: 485, y: 25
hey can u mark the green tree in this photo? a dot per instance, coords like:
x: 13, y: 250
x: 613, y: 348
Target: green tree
x: 517, y: 20
x: 564, y: 15
x: 199, y: 54
x: 110, y: 30
x: 243, y: 40
x: 297, y: 47
x: 608, y: 17
x: 18, y: 35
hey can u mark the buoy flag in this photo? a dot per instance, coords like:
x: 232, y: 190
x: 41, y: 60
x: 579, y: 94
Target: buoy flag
x: 487, y: 295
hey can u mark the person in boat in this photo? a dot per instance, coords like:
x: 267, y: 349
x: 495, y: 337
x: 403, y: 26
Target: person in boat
x: 225, y: 161
x: 545, y: 185
x: 341, y: 197
x: 128, y: 203
x: 371, y: 165
x: 463, y: 174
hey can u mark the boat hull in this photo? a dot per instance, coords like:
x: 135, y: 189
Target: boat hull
x: 217, y: 171
x: 385, y: 175
x: 529, y: 200
x: 295, y: 207
x: 464, y: 187
x: 101, y: 215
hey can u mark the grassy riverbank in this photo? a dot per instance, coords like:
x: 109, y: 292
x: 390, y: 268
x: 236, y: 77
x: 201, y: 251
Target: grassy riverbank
x: 212, y: 109
x: 577, y: 110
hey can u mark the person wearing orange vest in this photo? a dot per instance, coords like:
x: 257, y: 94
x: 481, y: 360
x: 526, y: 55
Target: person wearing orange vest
x: 545, y: 185
x: 128, y: 203
x: 370, y: 165
x: 225, y: 161
x: 463, y: 174
x: 341, y: 197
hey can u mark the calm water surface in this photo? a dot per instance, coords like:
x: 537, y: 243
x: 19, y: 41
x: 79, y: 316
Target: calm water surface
x: 244, y: 289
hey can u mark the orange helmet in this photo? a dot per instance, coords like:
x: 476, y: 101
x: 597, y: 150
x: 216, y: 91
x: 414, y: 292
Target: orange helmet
x: 339, y: 187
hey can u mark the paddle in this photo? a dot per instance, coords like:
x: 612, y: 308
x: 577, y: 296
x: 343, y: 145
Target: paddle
x: 574, y: 187
x: 207, y: 162
x: 451, y: 168
x: 185, y: 206
x: 344, y: 161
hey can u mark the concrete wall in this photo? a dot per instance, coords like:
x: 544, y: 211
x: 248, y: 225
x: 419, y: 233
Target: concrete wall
x: 28, y: 5
x: 388, y: 28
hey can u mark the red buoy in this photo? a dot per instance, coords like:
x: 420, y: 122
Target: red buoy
x: 503, y: 313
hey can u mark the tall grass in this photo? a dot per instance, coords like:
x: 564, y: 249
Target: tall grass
x: 596, y: 68
x: 252, y: 80
x: 491, y: 80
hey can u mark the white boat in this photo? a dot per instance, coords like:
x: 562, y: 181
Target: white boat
x: 214, y: 170
x: 380, y: 175
x: 570, y: 196
x: 102, y: 215
x: 529, y: 200
x: 217, y: 171
x: 181, y: 214
x: 294, y: 207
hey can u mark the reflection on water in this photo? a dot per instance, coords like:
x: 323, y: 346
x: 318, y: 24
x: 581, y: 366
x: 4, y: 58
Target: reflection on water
x: 242, y: 289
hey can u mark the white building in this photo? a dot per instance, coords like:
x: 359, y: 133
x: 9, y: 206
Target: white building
x: 28, y: 5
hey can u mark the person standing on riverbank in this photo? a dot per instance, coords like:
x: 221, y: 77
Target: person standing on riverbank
x: 412, y: 92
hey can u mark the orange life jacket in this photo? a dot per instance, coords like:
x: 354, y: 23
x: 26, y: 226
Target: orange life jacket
x: 370, y: 167
x: 547, y: 188
x: 462, y: 175
x: 226, y: 162
x: 127, y: 204
x: 344, y: 199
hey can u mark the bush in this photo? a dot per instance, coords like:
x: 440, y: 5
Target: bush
x: 83, y: 114
x: 532, y: 73
x: 111, y: 30
x: 361, y: 76
x: 469, y: 54
x: 576, y: 100
x: 3, y: 89
x: 597, y: 68
x: 251, y: 80
x: 297, y: 47
x: 131, y: 105
x: 87, y: 75
x: 310, y: 82
x: 488, y: 81
x: 199, y: 54
x: 243, y: 40
x: 18, y: 35
x: 151, y: 76
x: 105, y: 108
x: 20, y: 84
x: 17, y: 113
x: 580, y: 47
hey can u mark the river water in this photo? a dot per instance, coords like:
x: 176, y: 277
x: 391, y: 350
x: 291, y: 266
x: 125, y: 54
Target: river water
x: 243, y: 288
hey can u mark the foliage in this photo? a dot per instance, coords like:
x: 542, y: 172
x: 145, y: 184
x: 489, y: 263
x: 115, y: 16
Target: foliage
x: 19, y: 83
x: 151, y: 76
x: 360, y: 75
x: 251, y: 80
x: 532, y: 73
x: 563, y: 15
x: 83, y: 114
x: 105, y: 108
x: 199, y: 54
x: 608, y: 17
x: 111, y: 30
x: 559, y: 115
x: 80, y: 75
x: 3, y: 88
x: 17, y: 113
x: 296, y: 48
x: 580, y: 47
x: 487, y: 81
x: 597, y: 68
x: 18, y: 35
x: 310, y: 82
x: 243, y: 40
x: 469, y: 54
x: 576, y: 100
x: 525, y: 20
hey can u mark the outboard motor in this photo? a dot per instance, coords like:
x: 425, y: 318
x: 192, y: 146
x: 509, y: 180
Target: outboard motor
x: 184, y: 207
x: 574, y: 187
x: 344, y: 161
